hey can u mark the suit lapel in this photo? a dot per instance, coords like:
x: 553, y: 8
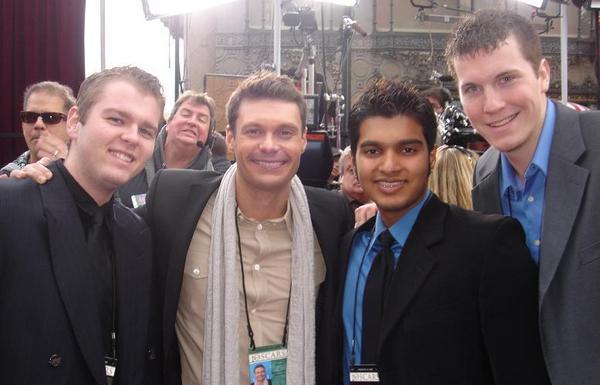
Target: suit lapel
x: 345, y: 250
x: 72, y: 271
x: 485, y: 194
x: 198, y: 196
x: 565, y: 187
x: 134, y: 276
x: 415, y: 264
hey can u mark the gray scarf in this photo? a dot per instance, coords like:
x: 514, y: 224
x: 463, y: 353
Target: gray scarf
x: 221, y: 337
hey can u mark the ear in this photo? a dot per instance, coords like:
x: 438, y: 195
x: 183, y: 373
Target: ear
x: 544, y: 75
x: 304, y: 141
x: 355, y: 164
x: 229, y: 138
x: 73, y: 123
x: 432, y: 158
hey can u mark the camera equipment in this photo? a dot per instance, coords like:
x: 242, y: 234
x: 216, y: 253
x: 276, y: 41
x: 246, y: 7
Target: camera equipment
x: 458, y: 131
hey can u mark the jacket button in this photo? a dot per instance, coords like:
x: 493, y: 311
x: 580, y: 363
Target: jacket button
x: 151, y: 354
x: 55, y: 360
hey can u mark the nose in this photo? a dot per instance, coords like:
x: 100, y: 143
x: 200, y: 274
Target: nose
x: 268, y: 143
x: 131, y: 134
x: 390, y: 162
x: 39, y: 124
x: 493, y: 101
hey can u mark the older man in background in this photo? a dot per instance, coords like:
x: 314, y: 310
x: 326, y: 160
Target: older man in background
x: 43, y: 120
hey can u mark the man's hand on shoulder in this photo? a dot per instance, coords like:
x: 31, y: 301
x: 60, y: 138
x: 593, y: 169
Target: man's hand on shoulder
x: 364, y: 213
x: 37, y: 171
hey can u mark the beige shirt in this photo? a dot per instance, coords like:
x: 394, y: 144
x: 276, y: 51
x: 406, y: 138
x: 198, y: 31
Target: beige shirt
x: 266, y: 255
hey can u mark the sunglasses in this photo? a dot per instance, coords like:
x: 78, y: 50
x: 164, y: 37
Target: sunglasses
x: 47, y: 117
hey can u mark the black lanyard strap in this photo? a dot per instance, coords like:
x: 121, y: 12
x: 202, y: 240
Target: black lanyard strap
x: 249, y: 325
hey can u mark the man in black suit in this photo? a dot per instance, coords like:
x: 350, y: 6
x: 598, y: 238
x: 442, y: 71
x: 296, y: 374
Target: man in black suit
x: 242, y: 256
x: 75, y: 266
x: 433, y: 294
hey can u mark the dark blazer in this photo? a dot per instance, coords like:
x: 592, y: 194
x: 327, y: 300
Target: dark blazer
x: 569, y: 275
x: 174, y: 204
x: 462, y: 308
x: 49, y: 330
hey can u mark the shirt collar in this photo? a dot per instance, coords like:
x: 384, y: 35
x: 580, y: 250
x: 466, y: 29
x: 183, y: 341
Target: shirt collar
x: 83, y: 200
x: 403, y: 226
x: 540, y: 157
x: 286, y: 219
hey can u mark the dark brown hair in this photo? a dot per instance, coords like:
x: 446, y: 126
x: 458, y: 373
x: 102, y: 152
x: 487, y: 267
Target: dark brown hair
x: 487, y: 29
x: 389, y: 98
x: 264, y: 85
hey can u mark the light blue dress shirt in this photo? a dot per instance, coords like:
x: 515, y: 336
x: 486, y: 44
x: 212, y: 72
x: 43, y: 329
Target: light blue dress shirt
x: 525, y: 201
x: 365, y: 248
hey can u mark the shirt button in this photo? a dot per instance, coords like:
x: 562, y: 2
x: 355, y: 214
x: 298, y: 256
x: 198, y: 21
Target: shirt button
x: 530, y: 199
x: 253, y: 311
x: 536, y: 242
x: 196, y: 271
x: 55, y: 360
x: 257, y: 267
x: 259, y: 227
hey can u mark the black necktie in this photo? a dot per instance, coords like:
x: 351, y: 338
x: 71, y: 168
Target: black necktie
x: 378, y: 281
x: 100, y: 259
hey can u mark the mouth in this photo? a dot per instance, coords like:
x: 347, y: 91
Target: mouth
x: 503, y: 121
x: 390, y: 186
x: 189, y: 132
x: 121, y: 156
x: 269, y: 164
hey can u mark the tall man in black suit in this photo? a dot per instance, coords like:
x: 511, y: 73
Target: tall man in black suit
x: 243, y: 256
x: 433, y: 294
x: 544, y: 170
x: 75, y: 266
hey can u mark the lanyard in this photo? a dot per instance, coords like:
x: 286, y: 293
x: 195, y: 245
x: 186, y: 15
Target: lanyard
x: 287, y: 312
x: 362, y: 261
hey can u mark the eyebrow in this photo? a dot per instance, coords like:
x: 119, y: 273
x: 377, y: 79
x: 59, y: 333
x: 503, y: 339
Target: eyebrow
x: 405, y: 142
x: 127, y: 115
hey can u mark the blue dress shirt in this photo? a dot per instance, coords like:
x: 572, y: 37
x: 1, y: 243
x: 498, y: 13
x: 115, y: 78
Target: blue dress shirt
x: 525, y: 201
x: 365, y: 248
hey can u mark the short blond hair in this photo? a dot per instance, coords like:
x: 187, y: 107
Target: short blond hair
x: 93, y: 85
x: 452, y: 175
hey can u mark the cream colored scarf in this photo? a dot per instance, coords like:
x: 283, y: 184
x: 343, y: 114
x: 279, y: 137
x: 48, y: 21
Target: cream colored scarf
x: 221, y: 337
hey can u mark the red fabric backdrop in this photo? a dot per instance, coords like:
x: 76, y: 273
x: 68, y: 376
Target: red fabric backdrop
x: 39, y: 40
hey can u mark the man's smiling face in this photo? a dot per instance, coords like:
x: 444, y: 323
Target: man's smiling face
x: 504, y: 96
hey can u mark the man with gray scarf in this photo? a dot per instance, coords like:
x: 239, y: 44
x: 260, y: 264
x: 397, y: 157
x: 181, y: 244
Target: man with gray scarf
x: 243, y: 257
x: 184, y: 142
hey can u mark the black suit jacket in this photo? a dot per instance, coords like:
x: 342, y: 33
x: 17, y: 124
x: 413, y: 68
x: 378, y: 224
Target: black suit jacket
x: 462, y: 308
x: 174, y: 204
x: 49, y: 330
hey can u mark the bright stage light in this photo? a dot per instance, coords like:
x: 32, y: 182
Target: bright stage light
x: 345, y: 3
x: 154, y: 9
x: 534, y: 3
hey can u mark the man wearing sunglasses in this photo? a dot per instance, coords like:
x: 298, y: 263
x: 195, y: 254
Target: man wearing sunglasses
x: 43, y: 119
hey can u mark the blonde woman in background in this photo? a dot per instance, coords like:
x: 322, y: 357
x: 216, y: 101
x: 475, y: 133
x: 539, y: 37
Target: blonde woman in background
x: 452, y: 176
